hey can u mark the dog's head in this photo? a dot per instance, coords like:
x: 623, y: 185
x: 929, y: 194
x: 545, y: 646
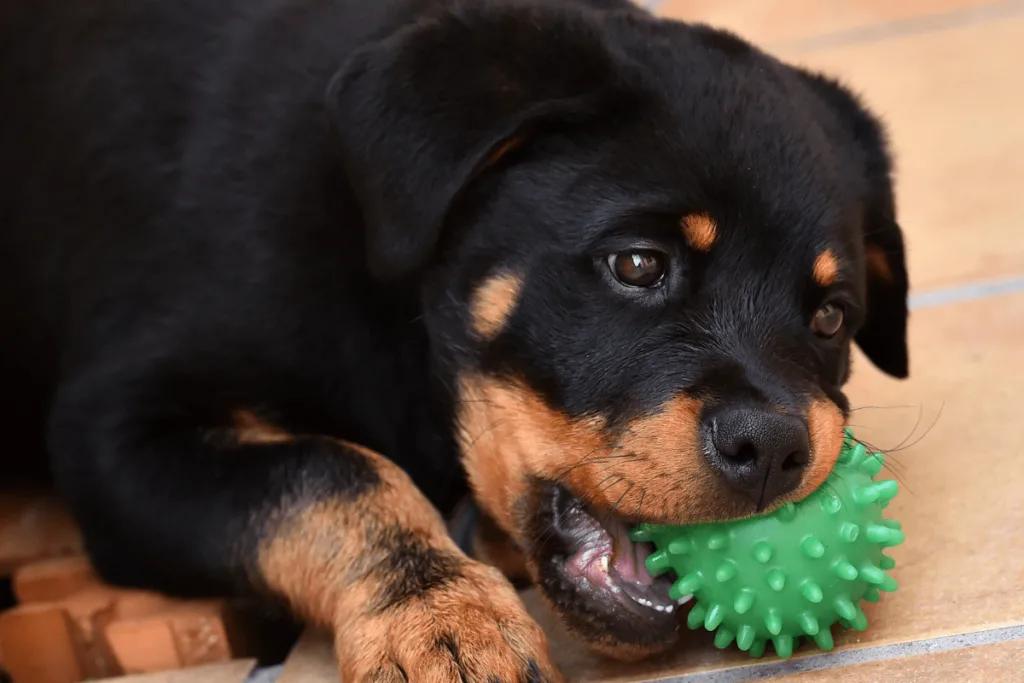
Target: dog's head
x: 645, y: 249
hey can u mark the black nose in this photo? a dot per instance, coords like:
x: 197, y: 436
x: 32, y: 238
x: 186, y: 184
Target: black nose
x: 761, y: 454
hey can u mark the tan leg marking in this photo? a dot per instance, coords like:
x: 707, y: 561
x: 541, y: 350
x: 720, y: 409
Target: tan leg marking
x: 356, y: 564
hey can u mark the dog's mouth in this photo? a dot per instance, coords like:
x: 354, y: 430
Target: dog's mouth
x: 608, y: 561
x: 593, y: 571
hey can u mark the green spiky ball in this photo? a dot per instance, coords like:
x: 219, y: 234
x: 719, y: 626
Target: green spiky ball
x: 791, y: 573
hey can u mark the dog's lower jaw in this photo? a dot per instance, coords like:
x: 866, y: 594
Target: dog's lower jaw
x: 594, y: 578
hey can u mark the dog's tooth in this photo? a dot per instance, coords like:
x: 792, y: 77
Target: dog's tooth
x: 659, y: 608
x: 669, y: 608
x: 685, y: 599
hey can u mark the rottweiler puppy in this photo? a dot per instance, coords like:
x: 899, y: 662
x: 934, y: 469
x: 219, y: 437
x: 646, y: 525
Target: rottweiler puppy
x: 283, y: 279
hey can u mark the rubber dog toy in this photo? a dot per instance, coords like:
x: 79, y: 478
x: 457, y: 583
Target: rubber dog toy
x: 793, y: 572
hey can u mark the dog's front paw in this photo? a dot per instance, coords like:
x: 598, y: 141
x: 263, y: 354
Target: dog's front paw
x: 470, y: 629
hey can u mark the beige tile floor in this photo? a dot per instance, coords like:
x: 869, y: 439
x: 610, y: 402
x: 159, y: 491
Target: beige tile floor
x: 946, y: 77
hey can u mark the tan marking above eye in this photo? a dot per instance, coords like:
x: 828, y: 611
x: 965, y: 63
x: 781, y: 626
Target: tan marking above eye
x: 877, y: 263
x: 493, y: 302
x: 826, y: 268
x: 700, y: 231
x: 250, y: 428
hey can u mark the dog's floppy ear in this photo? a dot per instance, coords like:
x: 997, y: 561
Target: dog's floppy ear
x: 883, y: 336
x: 420, y: 112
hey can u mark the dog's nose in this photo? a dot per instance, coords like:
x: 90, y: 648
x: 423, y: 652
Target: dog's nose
x: 761, y: 454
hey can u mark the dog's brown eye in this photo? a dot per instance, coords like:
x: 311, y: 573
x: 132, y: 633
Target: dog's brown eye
x: 828, y: 320
x: 640, y: 268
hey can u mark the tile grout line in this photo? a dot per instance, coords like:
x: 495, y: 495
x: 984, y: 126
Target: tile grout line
x: 266, y: 674
x: 817, y: 662
x: 904, y: 27
x: 845, y: 658
x: 966, y: 292
x: 886, y: 30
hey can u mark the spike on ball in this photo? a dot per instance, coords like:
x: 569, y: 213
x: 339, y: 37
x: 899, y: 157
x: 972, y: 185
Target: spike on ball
x: 786, y: 513
x: 745, y: 638
x: 679, y: 546
x: 883, y: 535
x: 823, y: 639
x: 717, y: 541
x: 809, y: 624
x: 776, y: 579
x: 873, y: 464
x: 687, y: 585
x: 849, y: 532
x: 725, y: 571
x: 696, y: 616
x: 845, y: 608
x: 724, y: 638
x: 831, y: 504
x: 744, y: 601
x: 658, y: 562
x: 763, y: 552
x: 714, y: 618
x: 859, y: 622
x: 783, y: 646
x: 812, y: 592
x: 812, y: 547
x: 857, y: 455
x: 844, y: 570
